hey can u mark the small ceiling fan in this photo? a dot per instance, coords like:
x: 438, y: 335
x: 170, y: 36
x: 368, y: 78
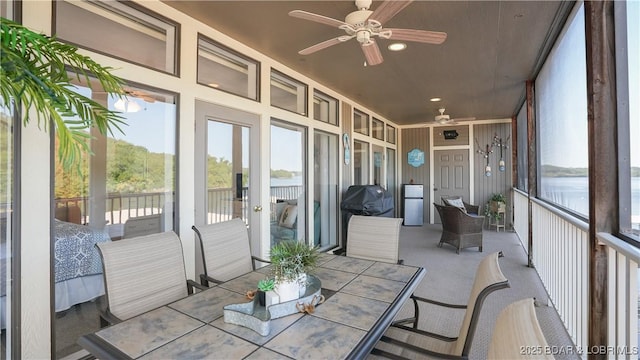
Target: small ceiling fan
x: 444, y: 119
x: 364, y: 25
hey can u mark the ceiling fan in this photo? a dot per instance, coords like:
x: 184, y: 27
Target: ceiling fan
x: 444, y: 119
x: 364, y: 25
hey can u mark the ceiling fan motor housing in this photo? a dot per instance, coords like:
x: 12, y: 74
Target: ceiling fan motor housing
x: 358, y: 18
x: 363, y: 36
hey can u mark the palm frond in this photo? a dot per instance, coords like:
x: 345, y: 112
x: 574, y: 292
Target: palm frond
x: 35, y: 71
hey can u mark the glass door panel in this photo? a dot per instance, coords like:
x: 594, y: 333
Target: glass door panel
x: 360, y: 163
x: 379, y: 166
x: 325, y: 183
x: 125, y: 189
x: 227, y: 172
x: 288, y: 183
x: 7, y: 120
x: 391, y: 174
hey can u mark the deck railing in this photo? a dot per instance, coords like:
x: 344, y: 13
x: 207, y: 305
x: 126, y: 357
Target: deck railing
x: 221, y: 204
x: 623, y: 301
x: 560, y: 255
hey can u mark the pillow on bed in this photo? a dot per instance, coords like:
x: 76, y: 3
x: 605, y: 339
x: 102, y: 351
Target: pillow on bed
x: 288, y: 216
x: 457, y: 202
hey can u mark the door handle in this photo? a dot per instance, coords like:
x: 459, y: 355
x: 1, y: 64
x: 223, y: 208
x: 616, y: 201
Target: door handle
x: 435, y: 189
x: 257, y: 208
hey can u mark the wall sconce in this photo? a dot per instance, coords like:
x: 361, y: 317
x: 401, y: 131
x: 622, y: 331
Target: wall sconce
x: 502, y: 145
x: 127, y: 105
x: 485, y: 153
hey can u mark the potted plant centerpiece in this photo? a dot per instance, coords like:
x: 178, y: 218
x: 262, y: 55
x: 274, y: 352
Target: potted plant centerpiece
x: 291, y: 261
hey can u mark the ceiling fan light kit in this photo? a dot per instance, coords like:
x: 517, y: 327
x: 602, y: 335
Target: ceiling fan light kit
x: 364, y: 25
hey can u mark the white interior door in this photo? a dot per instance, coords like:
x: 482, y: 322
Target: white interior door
x: 451, y: 176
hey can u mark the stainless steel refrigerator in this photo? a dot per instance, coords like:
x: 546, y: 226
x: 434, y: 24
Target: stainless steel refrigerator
x: 412, y: 204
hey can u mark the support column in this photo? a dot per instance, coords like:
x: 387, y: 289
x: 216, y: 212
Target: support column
x: 532, y: 164
x: 603, y: 166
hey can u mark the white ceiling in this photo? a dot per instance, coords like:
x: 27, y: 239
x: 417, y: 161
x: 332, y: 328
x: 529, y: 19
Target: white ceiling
x: 492, y: 48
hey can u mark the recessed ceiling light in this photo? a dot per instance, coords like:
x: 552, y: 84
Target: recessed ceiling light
x: 397, y: 46
x: 213, y: 85
x: 435, y: 99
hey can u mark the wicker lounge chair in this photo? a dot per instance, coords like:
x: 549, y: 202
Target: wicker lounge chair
x: 460, y: 229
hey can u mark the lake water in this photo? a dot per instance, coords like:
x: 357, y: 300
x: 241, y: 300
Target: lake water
x: 573, y: 193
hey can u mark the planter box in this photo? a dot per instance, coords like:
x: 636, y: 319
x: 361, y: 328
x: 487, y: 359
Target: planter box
x: 496, y: 207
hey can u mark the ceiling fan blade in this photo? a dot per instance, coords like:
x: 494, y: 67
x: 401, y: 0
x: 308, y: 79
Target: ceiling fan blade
x: 324, y: 45
x: 423, y: 36
x: 389, y: 9
x: 372, y: 53
x: 317, y: 18
x: 464, y: 119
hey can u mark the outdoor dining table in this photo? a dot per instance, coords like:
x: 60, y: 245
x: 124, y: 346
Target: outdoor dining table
x: 362, y: 297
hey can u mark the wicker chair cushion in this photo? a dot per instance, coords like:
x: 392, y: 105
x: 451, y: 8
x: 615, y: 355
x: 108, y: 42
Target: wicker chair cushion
x: 457, y: 202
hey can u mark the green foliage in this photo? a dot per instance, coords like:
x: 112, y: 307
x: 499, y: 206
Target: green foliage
x: 266, y: 285
x: 35, y: 71
x: 291, y: 258
x: 130, y: 169
x: 281, y: 174
x: 499, y: 197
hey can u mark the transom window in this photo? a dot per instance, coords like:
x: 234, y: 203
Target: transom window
x: 224, y: 69
x: 325, y: 108
x: 123, y: 30
x: 360, y: 122
x: 288, y: 93
x: 377, y: 129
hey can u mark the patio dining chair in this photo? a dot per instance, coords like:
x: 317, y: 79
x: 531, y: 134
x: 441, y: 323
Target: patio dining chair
x: 141, y: 274
x: 517, y: 334
x: 374, y: 238
x: 405, y: 340
x: 226, y: 253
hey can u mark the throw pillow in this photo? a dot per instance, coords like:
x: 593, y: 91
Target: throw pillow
x: 457, y: 202
x: 288, y: 217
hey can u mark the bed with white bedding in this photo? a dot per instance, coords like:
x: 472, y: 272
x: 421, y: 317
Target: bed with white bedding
x: 78, y: 268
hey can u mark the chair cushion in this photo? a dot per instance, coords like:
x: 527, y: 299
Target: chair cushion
x: 457, y: 202
x: 289, y: 216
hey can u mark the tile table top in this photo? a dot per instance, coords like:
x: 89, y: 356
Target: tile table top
x: 361, y: 299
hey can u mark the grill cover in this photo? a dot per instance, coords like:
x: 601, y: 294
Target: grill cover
x: 368, y: 200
